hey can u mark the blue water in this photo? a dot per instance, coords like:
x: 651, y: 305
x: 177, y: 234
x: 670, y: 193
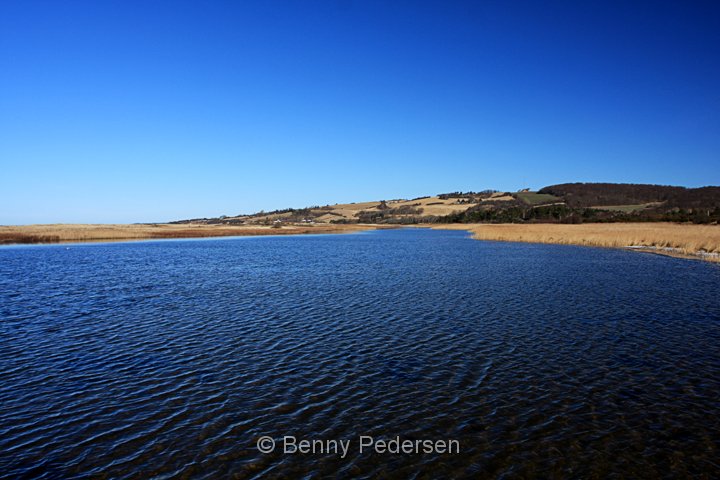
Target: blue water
x: 170, y: 359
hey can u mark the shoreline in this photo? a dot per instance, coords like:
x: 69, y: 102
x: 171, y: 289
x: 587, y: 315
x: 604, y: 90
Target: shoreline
x: 697, y: 242
x: 91, y: 233
x: 689, y: 241
x: 675, y: 253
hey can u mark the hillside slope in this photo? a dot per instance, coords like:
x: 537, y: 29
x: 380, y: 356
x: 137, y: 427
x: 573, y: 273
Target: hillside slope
x: 563, y: 203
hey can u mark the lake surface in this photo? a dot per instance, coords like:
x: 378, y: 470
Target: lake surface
x: 170, y: 359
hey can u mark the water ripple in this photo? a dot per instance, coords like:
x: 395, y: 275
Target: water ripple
x: 170, y: 359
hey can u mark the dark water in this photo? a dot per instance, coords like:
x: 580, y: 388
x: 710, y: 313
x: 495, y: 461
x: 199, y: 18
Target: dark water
x: 170, y: 359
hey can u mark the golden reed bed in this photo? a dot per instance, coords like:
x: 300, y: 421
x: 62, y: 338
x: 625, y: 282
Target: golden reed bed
x: 700, y: 241
x: 94, y: 233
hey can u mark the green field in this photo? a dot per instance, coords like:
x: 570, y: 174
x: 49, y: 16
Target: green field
x: 533, y: 198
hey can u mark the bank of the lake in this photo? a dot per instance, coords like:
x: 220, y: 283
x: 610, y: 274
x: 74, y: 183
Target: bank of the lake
x: 678, y: 240
x: 57, y: 233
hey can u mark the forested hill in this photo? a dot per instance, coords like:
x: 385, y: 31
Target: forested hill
x: 601, y: 202
x: 607, y: 194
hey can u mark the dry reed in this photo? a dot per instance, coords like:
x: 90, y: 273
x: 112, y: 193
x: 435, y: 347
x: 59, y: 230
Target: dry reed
x: 669, y: 238
x: 90, y: 232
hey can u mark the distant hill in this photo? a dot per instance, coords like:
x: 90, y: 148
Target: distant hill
x: 565, y: 203
x: 603, y: 194
x: 421, y: 209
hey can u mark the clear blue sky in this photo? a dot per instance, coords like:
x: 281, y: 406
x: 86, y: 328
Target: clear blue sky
x: 132, y: 111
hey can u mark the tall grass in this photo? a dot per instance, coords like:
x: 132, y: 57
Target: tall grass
x: 88, y: 232
x: 684, y: 239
